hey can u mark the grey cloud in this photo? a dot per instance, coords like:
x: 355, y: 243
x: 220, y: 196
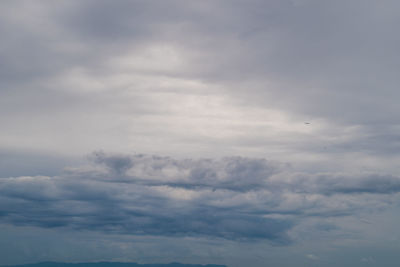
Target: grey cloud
x: 117, y: 164
x: 305, y: 60
x: 198, y: 79
x: 375, y: 184
x: 159, y: 209
x: 336, y: 183
x: 122, y: 20
x: 239, y: 174
x: 233, y: 173
x: 276, y: 39
x: 230, y: 198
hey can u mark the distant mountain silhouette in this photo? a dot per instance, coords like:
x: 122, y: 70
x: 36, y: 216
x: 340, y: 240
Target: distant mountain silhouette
x: 111, y: 264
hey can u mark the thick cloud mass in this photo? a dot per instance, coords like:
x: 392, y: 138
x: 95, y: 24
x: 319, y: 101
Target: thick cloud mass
x: 231, y: 198
x: 148, y: 195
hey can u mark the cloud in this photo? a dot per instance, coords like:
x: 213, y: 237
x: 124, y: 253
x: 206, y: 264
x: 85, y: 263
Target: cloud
x: 211, y: 78
x: 232, y: 198
x: 337, y: 183
x: 200, y: 82
x: 116, y: 164
x: 312, y: 257
x: 152, y: 202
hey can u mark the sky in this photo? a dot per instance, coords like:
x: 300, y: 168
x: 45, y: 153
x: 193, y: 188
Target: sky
x: 245, y: 133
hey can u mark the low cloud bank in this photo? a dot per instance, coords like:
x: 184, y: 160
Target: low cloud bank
x: 232, y: 198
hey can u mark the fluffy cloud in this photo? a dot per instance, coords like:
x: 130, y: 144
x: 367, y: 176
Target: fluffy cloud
x: 230, y: 198
x: 158, y: 199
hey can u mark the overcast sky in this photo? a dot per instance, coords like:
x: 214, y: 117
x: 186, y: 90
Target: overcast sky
x: 245, y: 133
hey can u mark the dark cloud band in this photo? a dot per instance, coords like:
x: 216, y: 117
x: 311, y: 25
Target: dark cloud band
x: 231, y: 198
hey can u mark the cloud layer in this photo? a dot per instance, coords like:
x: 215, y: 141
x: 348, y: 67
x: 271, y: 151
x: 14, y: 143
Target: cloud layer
x: 232, y: 198
x: 226, y: 78
x: 231, y: 91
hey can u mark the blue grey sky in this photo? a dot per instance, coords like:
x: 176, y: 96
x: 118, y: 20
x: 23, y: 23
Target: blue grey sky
x: 244, y: 133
